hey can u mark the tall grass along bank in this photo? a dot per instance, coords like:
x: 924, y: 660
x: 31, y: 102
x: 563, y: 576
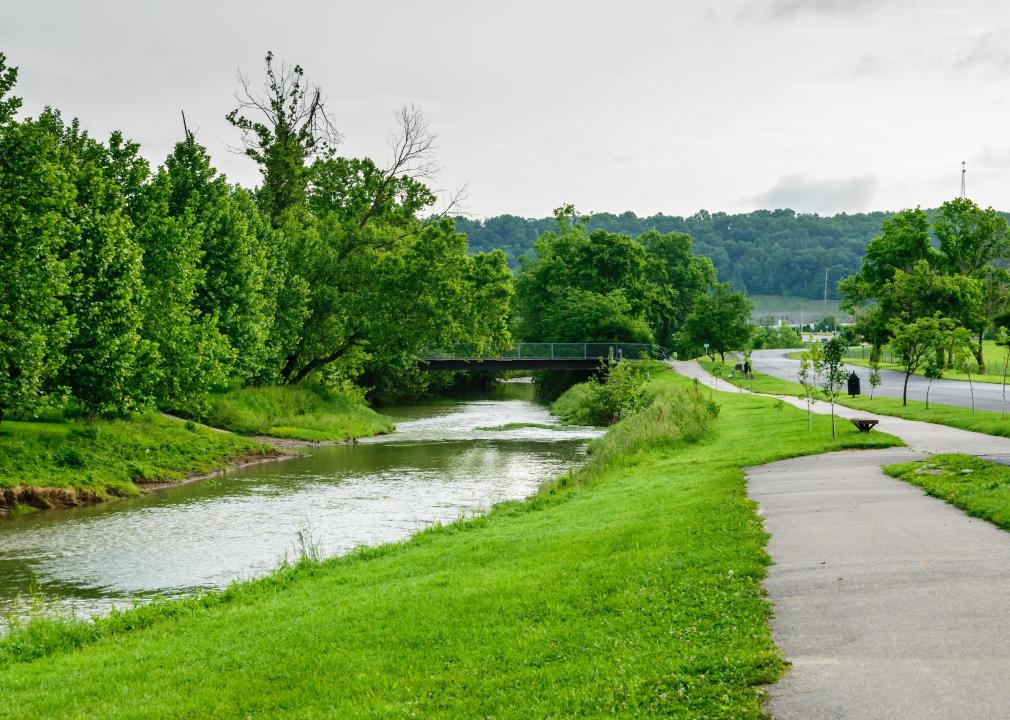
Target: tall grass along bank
x: 309, y: 411
x: 631, y: 587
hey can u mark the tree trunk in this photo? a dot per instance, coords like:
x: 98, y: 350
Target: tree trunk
x: 904, y: 391
x: 319, y: 362
x: 978, y: 353
x: 928, y: 387
x: 832, y: 418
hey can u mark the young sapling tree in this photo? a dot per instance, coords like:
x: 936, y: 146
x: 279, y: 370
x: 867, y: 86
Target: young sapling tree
x: 832, y: 374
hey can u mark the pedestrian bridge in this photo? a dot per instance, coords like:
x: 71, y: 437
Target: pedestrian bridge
x: 540, y: 356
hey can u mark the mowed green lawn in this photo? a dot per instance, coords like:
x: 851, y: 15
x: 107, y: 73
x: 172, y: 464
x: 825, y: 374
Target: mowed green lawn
x: 995, y: 358
x: 982, y: 421
x: 633, y: 591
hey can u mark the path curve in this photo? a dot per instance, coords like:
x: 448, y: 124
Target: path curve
x: 888, y: 603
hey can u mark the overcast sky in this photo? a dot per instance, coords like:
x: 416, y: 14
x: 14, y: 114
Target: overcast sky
x: 672, y: 106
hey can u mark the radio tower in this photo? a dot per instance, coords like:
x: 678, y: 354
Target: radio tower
x: 963, y: 173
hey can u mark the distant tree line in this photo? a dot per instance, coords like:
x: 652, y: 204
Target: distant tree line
x: 766, y: 252
x: 126, y: 287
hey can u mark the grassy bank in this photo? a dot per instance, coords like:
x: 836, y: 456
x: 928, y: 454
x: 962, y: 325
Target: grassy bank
x: 303, y: 412
x: 48, y: 464
x: 980, y: 488
x: 982, y: 421
x: 630, y: 588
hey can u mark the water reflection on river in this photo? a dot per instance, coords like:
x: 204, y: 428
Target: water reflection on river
x: 438, y: 466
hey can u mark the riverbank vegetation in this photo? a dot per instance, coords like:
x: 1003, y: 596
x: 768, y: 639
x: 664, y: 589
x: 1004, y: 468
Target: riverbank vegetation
x: 62, y: 463
x: 632, y: 586
x: 608, y: 396
x: 309, y: 411
x: 128, y: 287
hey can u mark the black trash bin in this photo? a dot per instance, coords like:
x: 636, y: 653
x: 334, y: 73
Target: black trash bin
x: 853, y: 384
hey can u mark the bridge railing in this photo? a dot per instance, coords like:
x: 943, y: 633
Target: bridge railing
x: 552, y: 351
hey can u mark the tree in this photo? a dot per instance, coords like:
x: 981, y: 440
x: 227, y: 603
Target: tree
x: 284, y: 124
x: 721, y: 319
x: 573, y: 266
x: 916, y: 341
x: 192, y: 354
x: 9, y: 104
x: 808, y: 379
x: 36, y: 197
x: 902, y: 246
x: 959, y: 348
x: 676, y: 277
x: 875, y: 379
x: 832, y: 373
x: 105, y: 365
x: 972, y: 240
x: 232, y: 243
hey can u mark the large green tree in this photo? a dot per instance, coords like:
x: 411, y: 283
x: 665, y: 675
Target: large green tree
x: 603, y: 272
x: 974, y: 242
x: 721, y: 320
x: 37, y: 194
x: 192, y: 354
x: 106, y: 365
x: 369, y: 282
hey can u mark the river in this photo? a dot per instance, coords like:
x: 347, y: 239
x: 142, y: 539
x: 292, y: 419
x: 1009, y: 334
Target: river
x: 439, y: 465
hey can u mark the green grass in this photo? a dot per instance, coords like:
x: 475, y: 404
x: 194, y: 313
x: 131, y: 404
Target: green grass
x: 980, y: 488
x: 994, y: 355
x: 760, y: 383
x: 302, y: 412
x: 632, y: 588
x: 95, y: 461
x: 982, y: 421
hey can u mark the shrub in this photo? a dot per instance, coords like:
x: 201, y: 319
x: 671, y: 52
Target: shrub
x: 672, y: 417
x: 602, y: 403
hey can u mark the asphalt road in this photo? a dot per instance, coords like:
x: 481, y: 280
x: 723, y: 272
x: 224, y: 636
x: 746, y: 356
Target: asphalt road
x: 988, y: 396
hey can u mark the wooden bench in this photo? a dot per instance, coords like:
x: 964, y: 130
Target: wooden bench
x: 864, y: 424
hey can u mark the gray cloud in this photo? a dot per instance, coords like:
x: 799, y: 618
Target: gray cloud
x: 988, y: 51
x: 869, y: 66
x: 781, y: 9
x: 826, y: 196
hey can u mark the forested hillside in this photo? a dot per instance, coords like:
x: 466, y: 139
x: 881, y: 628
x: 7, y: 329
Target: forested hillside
x: 766, y: 252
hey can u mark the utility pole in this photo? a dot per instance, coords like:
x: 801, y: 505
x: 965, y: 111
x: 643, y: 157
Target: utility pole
x: 963, y: 173
x: 825, y: 292
x: 185, y: 128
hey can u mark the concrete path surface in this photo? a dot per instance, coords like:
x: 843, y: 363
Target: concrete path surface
x: 888, y: 603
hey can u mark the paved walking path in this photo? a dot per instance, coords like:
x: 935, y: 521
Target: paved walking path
x: 888, y: 603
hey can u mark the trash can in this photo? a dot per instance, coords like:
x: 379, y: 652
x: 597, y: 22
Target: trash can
x: 853, y: 384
